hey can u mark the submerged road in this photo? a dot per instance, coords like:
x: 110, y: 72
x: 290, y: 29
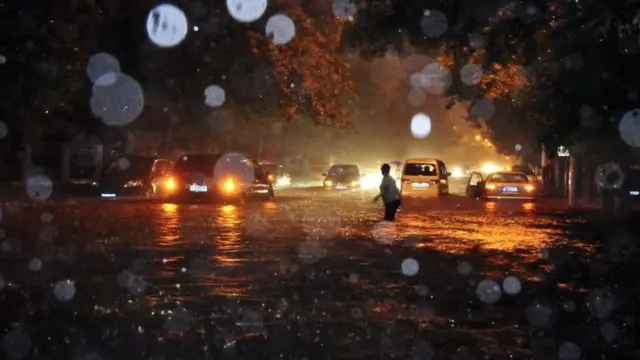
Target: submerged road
x: 314, y: 275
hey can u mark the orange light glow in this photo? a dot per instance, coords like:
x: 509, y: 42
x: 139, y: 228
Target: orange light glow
x: 491, y: 187
x: 229, y: 185
x: 529, y: 188
x: 170, y: 184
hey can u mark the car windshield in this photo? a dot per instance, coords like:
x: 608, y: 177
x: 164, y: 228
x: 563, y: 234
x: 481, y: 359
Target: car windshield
x: 508, y: 178
x: 344, y: 171
x: 195, y: 163
x: 420, y: 169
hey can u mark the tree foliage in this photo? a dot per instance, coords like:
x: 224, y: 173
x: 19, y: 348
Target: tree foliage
x: 547, y: 60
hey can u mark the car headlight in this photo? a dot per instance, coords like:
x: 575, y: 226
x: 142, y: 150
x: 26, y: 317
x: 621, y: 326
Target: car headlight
x: 133, y: 183
x: 355, y: 183
x: 328, y: 183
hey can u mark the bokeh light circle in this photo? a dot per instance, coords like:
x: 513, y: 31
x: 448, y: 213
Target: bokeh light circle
x: 214, y: 95
x: 235, y: 166
x: 246, y: 10
x: 433, y: 23
x: 420, y: 125
x: 39, y: 187
x: 483, y: 109
x: 120, y: 103
x: 102, y: 69
x: 436, y: 79
x: 344, y: 9
x: 471, y: 74
x: 280, y: 28
x: 609, y: 176
x: 488, y: 291
x: 64, y: 290
x: 167, y: 25
x: 410, y: 267
x: 629, y: 128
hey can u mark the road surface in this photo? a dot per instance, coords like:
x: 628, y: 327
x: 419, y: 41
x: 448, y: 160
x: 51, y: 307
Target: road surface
x: 313, y: 275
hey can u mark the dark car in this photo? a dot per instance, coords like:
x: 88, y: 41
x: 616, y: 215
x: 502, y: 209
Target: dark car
x: 220, y: 177
x: 342, y: 177
x: 127, y: 175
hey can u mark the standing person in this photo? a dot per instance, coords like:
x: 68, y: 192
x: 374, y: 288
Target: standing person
x: 389, y: 193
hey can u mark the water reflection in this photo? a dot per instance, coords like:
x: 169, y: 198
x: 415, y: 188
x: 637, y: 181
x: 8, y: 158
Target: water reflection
x: 168, y: 225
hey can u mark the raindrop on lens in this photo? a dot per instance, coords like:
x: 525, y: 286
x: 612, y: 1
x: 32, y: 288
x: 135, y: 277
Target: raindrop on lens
x: 214, y: 96
x: 344, y: 9
x: 488, y: 291
x: 384, y: 232
x: 436, y: 79
x: 280, y: 28
x: 483, y: 108
x: 417, y: 97
x: 123, y: 163
x: 310, y: 252
x: 39, y: 187
x: 511, y: 285
x: 179, y: 320
x: 46, y: 217
x: 102, y: 69
x: 410, y: 267
x: 608, y: 332
x: 120, y: 103
x: 235, y: 166
x: 353, y: 278
x: 569, y: 351
x: 477, y: 41
x: 420, y: 125
x: 629, y: 128
x: 35, y: 264
x: 246, y: 10
x: 433, y: 24
x: 464, y: 268
x: 471, y: 74
x: 64, y: 290
x: 539, y: 315
x: 17, y: 344
x: 518, y: 147
x: 167, y: 25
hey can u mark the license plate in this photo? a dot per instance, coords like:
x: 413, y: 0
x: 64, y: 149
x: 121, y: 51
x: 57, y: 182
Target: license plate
x: 510, y: 189
x: 341, y: 187
x: 634, y: 193
x: 198, y: 188
x: 420, y: 185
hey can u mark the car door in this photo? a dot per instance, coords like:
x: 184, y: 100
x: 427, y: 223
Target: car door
x: 475, y: 185
x: 444, y: 178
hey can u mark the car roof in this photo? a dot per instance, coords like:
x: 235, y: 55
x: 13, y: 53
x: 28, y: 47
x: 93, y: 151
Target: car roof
x: 509, y: 173
x: 421, y: 160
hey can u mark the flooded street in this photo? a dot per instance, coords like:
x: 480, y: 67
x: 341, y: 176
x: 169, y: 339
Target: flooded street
x: 313, y: 275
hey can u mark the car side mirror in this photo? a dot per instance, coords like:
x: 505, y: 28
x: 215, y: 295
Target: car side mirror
x: 324, y: 174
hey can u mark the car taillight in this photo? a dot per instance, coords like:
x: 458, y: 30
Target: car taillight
x: 229, y: 185
x: 529, y: 188
x: 170, y: 184
x: 490, y: 187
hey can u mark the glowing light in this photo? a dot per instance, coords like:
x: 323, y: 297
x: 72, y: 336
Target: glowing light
x: 246, y: 10
x: 491, y: 168
x: 421, y: 125
x: 167, y: 25
x: 457, y: 172
x: 229, y: 185
x: 170, y: 184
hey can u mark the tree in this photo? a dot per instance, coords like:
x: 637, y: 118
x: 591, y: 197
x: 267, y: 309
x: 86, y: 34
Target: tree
x: 309, y: 70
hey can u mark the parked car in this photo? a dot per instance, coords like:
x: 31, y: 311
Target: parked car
x: 128, y: 175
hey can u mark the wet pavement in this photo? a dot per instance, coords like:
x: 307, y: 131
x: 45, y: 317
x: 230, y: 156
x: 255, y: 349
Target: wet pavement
x: 315, y: 275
